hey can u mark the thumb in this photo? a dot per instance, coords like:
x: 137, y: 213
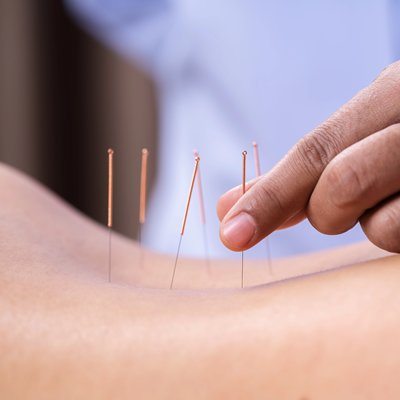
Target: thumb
x: 267, y: 205
x: 281, y: 195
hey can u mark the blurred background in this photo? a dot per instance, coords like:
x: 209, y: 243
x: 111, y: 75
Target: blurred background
x: 64, y: 100
x: 227, y: 73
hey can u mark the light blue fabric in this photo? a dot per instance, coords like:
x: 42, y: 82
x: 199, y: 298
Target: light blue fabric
x: 230, y: 72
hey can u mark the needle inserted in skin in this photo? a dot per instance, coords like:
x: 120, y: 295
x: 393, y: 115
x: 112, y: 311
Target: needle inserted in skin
x: 197, y: 159
x: 110, y: 206
x: 255, y: 147
x: 202, y: 213
x: 244, y: 191
x: 142, y: 211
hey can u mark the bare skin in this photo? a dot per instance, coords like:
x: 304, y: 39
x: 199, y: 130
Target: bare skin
x: 65, y: 332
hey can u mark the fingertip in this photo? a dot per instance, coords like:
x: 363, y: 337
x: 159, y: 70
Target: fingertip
x: 238, y: 232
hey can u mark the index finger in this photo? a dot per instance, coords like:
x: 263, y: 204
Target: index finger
x: 284, y: 191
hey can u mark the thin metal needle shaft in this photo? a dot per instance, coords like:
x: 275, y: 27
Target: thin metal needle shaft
x: 141, y: 250
x: 109, y: 255
x: 242, y: 268
x: 185, y: 216
x: 257, y: 161
x: 244, y: 191
x: 202, y: 215
x: 207, y: 254
x: 110, y: 206
x: 142, y: 210
x: 176, y: 262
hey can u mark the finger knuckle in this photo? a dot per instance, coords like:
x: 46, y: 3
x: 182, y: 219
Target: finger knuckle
x: 388, y: 79
x: 347, y: 185
x: 317, y: 149
x: 390, y: 70
x: 269, y: 193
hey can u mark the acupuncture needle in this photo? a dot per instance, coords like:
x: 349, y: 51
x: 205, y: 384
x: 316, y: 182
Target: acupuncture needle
x: 142, y: 210
x: 257, y: 162
x: 110, y: 206
x: 196, y: 164
x: 202, y: 214
x: 244, y: 191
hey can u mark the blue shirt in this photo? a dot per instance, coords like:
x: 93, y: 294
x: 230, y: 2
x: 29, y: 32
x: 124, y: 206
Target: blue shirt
x: 230, y: 72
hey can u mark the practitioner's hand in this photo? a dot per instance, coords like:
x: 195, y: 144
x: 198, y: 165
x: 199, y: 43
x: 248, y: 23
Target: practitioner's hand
x: 344, y: 171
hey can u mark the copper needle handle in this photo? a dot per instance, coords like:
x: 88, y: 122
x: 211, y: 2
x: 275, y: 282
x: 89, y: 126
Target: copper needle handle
x: 110, y: 186
x: 256, y: 159
x: 142, y: 213
x: 197, y: 159
x: 202, y: 213
x: 244, y: 171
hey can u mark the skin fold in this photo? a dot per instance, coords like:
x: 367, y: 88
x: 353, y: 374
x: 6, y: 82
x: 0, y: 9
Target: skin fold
x: 324, y: 326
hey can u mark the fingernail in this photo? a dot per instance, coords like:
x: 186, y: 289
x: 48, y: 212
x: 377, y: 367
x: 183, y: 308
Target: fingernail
x: 239, y: 230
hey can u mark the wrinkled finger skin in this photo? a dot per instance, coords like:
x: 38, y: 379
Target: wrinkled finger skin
x: 356, y: 180
x: 298, y: 186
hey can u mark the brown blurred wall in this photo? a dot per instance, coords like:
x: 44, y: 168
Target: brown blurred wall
x: 64, y: 100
